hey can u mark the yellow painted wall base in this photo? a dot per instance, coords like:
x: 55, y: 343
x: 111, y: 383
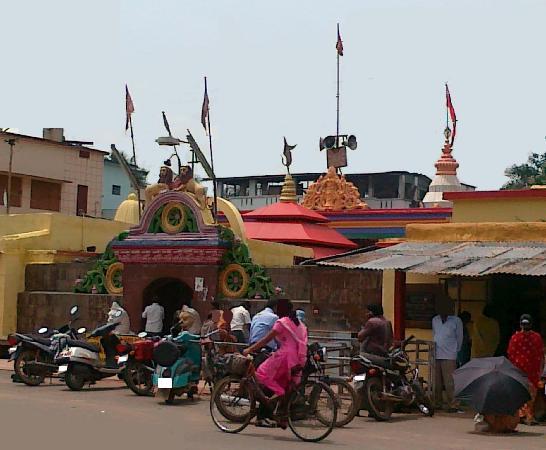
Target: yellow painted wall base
x: 43, y: 239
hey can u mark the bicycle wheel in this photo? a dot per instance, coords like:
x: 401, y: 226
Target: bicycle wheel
x: 347, y: 401
x: 312, y: 411
x: 231, y: 405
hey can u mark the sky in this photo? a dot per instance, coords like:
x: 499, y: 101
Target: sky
x: 271, y: 69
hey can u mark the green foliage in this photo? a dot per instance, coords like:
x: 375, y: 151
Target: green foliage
x: 525, y: 175
x: 95, y: 276
x: 260, y: 283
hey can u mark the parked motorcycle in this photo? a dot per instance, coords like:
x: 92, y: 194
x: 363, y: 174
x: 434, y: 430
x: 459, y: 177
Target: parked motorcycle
x: 384, y: 382
x: 81, y: 362
x: 178, y: 366
x: 34, y: 354
x: 140, y: 365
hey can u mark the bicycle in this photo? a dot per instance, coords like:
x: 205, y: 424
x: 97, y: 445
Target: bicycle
x: 308, y: 409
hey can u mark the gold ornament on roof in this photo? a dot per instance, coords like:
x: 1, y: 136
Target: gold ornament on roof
x: 332, y: 192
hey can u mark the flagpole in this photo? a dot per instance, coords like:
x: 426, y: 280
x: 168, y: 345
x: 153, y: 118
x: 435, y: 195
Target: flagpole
x: 337, y: 95
x: 447, y: 109
x: 214, y: 207
x: 132, y: 139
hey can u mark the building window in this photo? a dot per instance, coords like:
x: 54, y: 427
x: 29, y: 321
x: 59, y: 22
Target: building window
x: 85, y: 154
x: 116, y: 190
x: 45, y: 195
x: 16, y: 190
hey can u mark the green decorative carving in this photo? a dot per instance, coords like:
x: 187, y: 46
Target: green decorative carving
x: 95, y: 276
x: 260, y: 283
x: 190, y: 225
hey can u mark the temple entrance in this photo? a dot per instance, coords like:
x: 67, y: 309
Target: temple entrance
x: 172, y: 293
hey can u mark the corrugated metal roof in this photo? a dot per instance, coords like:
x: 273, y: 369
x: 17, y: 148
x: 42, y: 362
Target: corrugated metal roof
x: 470, y: 259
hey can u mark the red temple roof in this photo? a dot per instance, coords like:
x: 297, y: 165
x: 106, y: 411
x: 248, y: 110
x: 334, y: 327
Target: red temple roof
x: 285, y: 212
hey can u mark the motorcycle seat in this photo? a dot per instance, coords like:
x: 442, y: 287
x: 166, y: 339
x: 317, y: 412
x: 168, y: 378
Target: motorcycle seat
x: 83, y: 344
x: 378, y: 360
x: 42, y: 340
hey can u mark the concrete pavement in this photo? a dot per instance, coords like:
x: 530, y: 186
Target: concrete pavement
x: 51, y: 417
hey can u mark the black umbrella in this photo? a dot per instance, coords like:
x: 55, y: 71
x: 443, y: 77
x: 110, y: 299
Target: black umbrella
x: 492, y: 385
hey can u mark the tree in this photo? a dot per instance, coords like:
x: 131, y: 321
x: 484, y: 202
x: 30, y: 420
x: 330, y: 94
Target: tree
x: 527, y: 174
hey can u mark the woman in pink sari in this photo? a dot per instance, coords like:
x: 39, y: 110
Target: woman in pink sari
x: 284, y: 366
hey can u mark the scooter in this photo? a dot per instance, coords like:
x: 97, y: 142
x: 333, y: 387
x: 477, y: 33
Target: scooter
x: 178, y: 366
x: 34, y: 354
x: 81, y: 363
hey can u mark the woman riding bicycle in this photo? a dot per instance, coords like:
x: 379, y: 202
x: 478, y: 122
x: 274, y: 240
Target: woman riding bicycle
x: 283, y: 367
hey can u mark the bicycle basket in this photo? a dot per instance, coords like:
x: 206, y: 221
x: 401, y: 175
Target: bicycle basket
x: 236, y: 364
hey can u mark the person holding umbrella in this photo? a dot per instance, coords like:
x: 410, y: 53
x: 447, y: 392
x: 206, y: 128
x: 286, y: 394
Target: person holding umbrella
x: 525, y: 351
x: 495, y: 389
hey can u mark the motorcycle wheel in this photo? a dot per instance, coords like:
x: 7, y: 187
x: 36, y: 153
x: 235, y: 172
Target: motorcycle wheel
x: 347, y: 401
x: 379, y: 409
x: 73, y: 381
x: 138, y: 378
x: 19, y: 368
x: 423, y: 400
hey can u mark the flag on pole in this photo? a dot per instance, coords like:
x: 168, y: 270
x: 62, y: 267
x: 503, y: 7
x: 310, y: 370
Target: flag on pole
x: 129, y: 107
x: 205, y: 109
x: 166, y: 123
x: 452, y: 115
x: 339, y: 43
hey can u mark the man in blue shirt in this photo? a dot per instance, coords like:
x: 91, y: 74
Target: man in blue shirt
x: 263, y: 322
x: 447, y: 331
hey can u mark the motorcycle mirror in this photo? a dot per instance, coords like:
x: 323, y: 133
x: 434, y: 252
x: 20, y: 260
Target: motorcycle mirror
x: 43, y: 330
x: 142, y: 334
x: 117, y: 313
x: 81, y: 330
x: 74, y: 310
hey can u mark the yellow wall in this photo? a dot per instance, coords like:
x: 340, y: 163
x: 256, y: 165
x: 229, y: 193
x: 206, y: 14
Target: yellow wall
x: 37, y: 238
x: 274, y: 254
x: 499, y: 210
x: 487, y: 232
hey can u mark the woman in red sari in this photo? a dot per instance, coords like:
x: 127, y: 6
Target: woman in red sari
x: 526, y: 352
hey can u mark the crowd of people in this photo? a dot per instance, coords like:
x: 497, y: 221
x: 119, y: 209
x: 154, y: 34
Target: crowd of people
x: 457, y: 339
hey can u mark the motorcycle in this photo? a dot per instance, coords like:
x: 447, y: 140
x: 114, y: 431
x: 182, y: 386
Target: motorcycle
x: 140, y: 365
x: 384, y: 382
x: 81, y: 362
x: 34, y: 354
x: 178, y: 366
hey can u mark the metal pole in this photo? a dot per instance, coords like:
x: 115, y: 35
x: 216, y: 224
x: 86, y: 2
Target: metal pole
x: 214, y: 208
x: 11, y: 143
x: 337, y: 96
x: 132, y: 140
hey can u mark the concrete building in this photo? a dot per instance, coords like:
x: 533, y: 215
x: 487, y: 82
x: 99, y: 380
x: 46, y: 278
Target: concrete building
x: 117, y: 186
x: 50, y: 173
x: 383, y: 190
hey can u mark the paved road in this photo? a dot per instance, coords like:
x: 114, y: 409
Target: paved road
x: 52, y: 417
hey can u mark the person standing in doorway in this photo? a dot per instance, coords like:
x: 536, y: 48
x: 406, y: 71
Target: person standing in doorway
x: 485, y: 334
x: 464, y: 354
x: 447, y: 331
x: 154, y: 315
x: 526, y: 352
x: 240, y: 322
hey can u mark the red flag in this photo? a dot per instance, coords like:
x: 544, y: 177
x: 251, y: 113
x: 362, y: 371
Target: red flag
x: 339, y: 43
x: 452, y: 115
x: 129, y: 107
x: 205, y: 108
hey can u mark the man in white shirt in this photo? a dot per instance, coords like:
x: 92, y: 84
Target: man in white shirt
x: 240, y: 323
x: 154, y: 315
x: 447, y: 332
